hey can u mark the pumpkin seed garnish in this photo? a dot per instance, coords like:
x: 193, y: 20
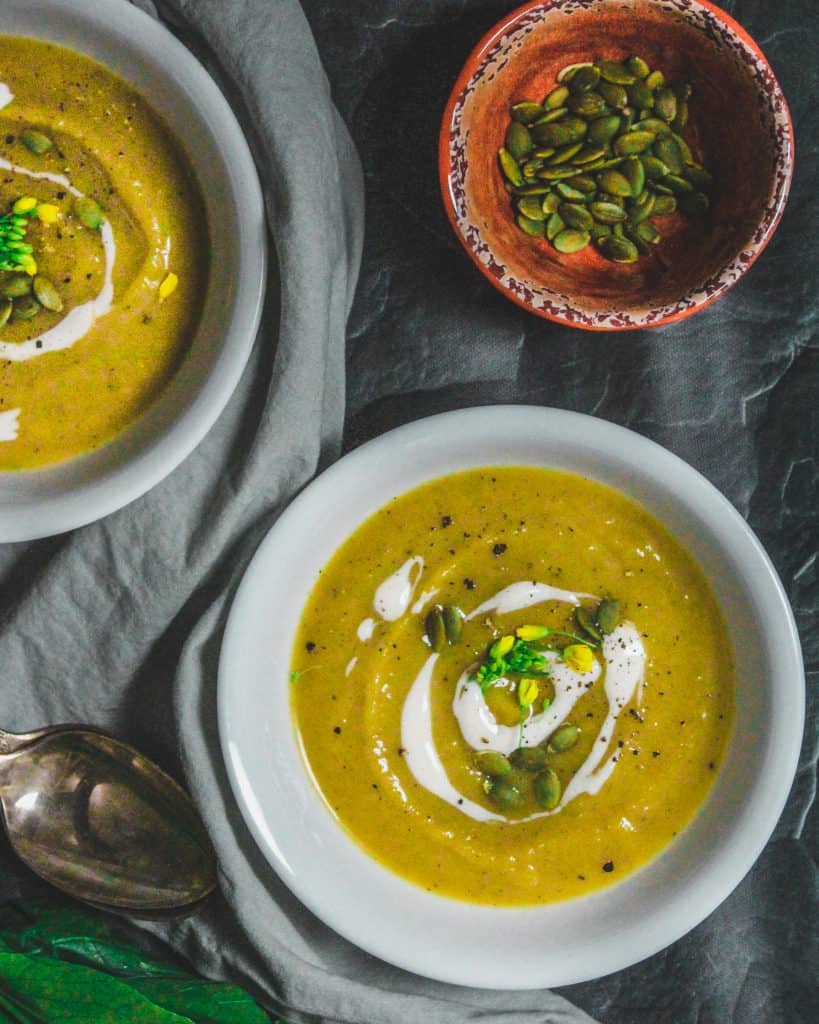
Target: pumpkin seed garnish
x: 15, y: 286
x: 563, y: 738
x: 26, y: 307
x: 607, y: 140
x: 46, y: 294
x: 453, y: 622
x: 505, y: 794
x: 5, y: 311
x: 586, y: 622
x: 548, y: 789
x: 35, y: 142
x: 493, y: 763
x: 608, y: 615
x: 90, y: 214
x: 530, y: 759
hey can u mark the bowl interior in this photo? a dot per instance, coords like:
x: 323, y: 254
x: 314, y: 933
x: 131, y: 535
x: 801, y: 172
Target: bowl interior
x: 43, y: 501
x: 447, y: 939
x: 735, y: 129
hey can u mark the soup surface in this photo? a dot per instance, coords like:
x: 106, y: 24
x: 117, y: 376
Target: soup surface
x: 512, y: 686
x: 118, y: 233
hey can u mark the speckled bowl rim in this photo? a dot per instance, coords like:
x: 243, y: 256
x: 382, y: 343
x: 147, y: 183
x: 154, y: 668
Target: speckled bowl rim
x: 557, y: 307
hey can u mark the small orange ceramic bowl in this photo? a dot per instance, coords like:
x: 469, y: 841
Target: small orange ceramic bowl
x: 739, y: 128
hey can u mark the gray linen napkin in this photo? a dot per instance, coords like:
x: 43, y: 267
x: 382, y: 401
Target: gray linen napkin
x: 120, y: 623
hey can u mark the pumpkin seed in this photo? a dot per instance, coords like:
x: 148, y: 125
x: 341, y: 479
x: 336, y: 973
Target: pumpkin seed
x: 550, y: 202
x: 453, y: 622
x: 587, y: 104
x: 518, y: 140
x: 543, y: 154
x: 621, y: 250
x: 681, y: 118
x: 5, y: 311
x: 607, y: 213
x: 653, y: 167
x: 571, y: 192
x: 493, y: 763
x: 46, y: 294
x: 26, y: 307
x: 628, y: 118
x: 615, y: 183
x: 616, y: 73
x: 603, y: 129
x: 656, y: 80
x: 35, y: 142
x: 531, y: 207
x: 615, y: 95
x: 547, y: 789
x: 565, y: 154
x: 567, y: 74
x: 637, y: 66
x: 664, y: 205
x: 505, y: 794
x: 529, y: 226
x: 530, y: 169
x: 643, y: 248
x: 644, y: 209
x: 639, y: 95
x: 576, y: 216
x: 435, y: 628
x: 556, y: 98
x: 552, y: 135
x: 583, y: 616
x: 647, y: 232
x: 15, y: 286
x: 530, y: 190
x: 608, y: 615
x: 694, y: 204
x: 615, y: 162
x: 599, y: 231
x: 530, y: 759
x: 584, y: 182
x: 666, y: 149
x: 90, y: 214
x: 563, y: 738
x: 665, y: 104
x: 617, y: 230
x: 552, y: 115
x: 526, y: 112
x: 663, y: 190
x: 678, y: 184
x: 554, y: 225
x: 576, y: 127
x: 632, y: 169
x: 656, y: 125
x: 633, y: 142
x: 584, y: 79
x: 589, y: 154
x: 570, y: 240
x: 684, y: 148
x: 556, y: 173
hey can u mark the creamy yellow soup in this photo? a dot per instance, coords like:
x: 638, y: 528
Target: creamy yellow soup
x: 130, y: 288
x: 495, y: 785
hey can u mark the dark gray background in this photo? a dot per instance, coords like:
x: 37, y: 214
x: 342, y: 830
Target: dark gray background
x: 733, y: 390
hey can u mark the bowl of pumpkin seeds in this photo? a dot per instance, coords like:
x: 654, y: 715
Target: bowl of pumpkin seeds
x: 615, y: 164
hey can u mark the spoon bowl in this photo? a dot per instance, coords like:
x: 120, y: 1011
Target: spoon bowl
x: 93, y: 817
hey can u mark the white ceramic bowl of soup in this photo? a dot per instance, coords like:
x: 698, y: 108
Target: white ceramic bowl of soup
x: 50, y: 500
x: 479, y: 945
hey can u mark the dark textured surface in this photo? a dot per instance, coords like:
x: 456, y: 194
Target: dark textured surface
x: 732, y: 390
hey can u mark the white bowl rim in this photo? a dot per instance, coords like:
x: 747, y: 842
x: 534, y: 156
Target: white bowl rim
x: 431, y: 952
x: 94, y: 498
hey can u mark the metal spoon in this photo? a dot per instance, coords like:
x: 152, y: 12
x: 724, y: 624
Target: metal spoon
x: 95, y: 818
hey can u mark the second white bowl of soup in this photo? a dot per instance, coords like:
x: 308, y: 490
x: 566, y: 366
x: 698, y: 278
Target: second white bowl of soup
x: 132, y: 259
x: 529, y: 685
